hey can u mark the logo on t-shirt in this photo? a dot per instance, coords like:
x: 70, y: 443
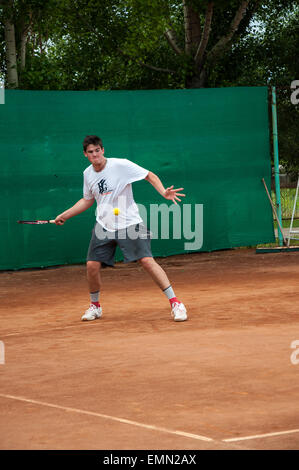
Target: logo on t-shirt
x: 103, y: 187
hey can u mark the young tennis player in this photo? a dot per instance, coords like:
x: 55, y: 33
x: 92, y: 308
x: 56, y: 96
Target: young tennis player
x: 118, y: 222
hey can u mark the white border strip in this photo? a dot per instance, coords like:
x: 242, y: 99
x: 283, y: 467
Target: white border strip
x: 111, y: 418
x: 261, y: 436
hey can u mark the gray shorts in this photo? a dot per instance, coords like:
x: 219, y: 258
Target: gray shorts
x: 134, y: 242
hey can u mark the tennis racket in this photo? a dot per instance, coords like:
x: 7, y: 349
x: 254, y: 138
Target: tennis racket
x: 36, y: 222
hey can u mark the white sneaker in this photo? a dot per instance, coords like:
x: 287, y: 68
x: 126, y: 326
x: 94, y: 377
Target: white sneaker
x: 179, y: 312
x: 92, y: 313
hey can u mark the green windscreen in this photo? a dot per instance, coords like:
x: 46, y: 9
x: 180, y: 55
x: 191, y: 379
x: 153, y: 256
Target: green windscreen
x: 212, y: 142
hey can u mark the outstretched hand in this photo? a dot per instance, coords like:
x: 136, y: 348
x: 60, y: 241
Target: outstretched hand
x: 172, y: 194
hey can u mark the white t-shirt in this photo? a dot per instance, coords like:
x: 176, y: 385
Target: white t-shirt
x: 112, y: 188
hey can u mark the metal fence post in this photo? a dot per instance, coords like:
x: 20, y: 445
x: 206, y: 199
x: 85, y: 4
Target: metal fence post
x: 276, y: 162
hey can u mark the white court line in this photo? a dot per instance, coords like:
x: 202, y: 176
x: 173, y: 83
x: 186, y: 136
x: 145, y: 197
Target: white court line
x: 111, y: 418
x: 261, y: 436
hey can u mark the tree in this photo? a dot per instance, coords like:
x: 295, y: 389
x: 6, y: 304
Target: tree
x: 9, y: 37
x: 147, y: 44
x: 23, y: 21
x: 198, y: 33
x: 268, y: 55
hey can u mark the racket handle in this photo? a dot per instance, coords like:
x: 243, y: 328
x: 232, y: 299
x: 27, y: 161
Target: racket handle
x: 52, y: 221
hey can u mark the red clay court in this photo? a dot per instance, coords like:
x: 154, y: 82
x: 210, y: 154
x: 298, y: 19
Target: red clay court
x: 135, y: 379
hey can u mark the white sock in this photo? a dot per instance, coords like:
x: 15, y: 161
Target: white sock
x: 94, y: 296
x: 169, y: 292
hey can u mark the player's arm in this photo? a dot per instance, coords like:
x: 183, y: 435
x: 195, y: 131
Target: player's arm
x: 80, y: 206
x: 168, y: 193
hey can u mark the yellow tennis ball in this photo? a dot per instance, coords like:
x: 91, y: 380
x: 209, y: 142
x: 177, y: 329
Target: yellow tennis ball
x: 116, y: 211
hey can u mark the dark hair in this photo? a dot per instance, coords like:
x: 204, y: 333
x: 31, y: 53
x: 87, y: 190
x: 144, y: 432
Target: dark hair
x: 92, y: 140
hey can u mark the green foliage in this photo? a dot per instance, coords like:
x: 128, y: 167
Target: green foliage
x: 288, y: 118
x: 268, y: 55
x: 103, y: 45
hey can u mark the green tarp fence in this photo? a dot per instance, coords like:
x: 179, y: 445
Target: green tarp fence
x: 213, y: 142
